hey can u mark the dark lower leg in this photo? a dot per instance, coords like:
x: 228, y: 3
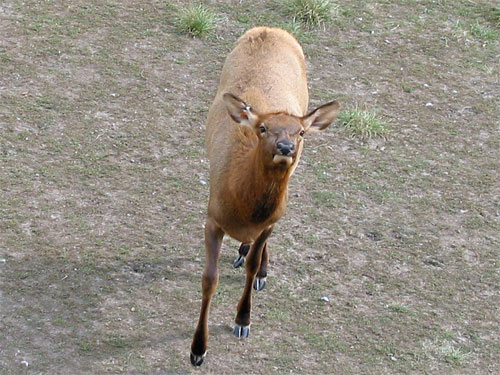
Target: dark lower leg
x: 242, y: 253
x: 213, y: 242
x: 253, y: 261
x: 209, y: 285
x: 263, y: 263
x: 243, y: 250
x: 260, y: 278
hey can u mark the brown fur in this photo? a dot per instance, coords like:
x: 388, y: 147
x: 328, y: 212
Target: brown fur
x: 253, y: 151
x: 267, y: 69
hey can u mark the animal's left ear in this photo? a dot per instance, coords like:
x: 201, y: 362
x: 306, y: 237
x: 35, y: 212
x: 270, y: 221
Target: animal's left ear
x: 321, y: 117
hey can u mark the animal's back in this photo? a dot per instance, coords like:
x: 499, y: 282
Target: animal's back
x: 267, y: 69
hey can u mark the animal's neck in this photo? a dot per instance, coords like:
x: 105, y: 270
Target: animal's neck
x: 265, y: 189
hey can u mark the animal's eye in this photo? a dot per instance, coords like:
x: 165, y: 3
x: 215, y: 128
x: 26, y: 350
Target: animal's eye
x: 262, y: 129
x: 302, y: 132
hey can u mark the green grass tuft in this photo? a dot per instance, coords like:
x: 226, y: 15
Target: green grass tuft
x: 495, y: 15
x: 453, y: 355
x: 445, y: 351
x: 311, y: 13
x: 197, y: 21
x: 483, y: 33
x: 400, y: 309
x: 362, y: 124
x: 294, y: 27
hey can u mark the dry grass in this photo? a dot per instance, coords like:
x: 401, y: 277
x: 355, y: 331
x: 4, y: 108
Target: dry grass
x: 387, y: 259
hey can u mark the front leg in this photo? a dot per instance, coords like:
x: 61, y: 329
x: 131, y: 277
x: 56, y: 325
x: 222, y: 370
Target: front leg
x: 210, y: 279
x: 253, y: 260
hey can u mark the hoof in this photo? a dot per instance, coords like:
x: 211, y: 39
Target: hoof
x: 259, y: 283
x: 197, y: 360
x: 241, y: 332
x: 238, y: 262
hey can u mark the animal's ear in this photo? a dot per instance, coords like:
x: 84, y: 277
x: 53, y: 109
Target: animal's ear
x: 239, y: 111
x: 321, y: 117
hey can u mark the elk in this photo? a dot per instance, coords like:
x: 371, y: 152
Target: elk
x: 254, y: 138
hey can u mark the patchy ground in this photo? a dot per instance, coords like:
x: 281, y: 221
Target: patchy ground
x: 387, y: 261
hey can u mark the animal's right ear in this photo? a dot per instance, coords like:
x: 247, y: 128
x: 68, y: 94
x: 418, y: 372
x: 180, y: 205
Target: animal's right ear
x: 239, y: 111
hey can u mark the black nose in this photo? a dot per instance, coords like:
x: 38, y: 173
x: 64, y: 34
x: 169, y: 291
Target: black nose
x: 285, y: 147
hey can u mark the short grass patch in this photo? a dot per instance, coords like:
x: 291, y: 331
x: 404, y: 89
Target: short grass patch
x: 197, y: 21
x: 483, y: 33
x: 85, y: 346
x: 362, y: 124
x: 294, y: 27
x: 312, y: 13
x: 447, y: 352
x: 326, y: 198
x: 117, y: 341
x: 400, y: 309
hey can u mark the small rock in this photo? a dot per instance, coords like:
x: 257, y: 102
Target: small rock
x: 429, y: 104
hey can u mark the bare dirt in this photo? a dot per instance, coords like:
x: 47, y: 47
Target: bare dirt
x: 387, y: 261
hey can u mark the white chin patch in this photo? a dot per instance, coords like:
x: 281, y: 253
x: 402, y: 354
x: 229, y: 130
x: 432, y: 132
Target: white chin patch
x: 282, y: 159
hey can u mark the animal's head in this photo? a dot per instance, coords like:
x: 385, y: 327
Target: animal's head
x: 281, y: 135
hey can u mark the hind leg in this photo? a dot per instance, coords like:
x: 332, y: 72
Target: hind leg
x: 252, y: 267
x: 260, y: 278
x: 242, y: 253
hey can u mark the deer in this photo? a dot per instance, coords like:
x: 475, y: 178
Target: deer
x: 255, y: 132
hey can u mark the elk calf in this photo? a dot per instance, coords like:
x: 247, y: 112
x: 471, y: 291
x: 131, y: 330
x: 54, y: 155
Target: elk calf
x: 254, y: 138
